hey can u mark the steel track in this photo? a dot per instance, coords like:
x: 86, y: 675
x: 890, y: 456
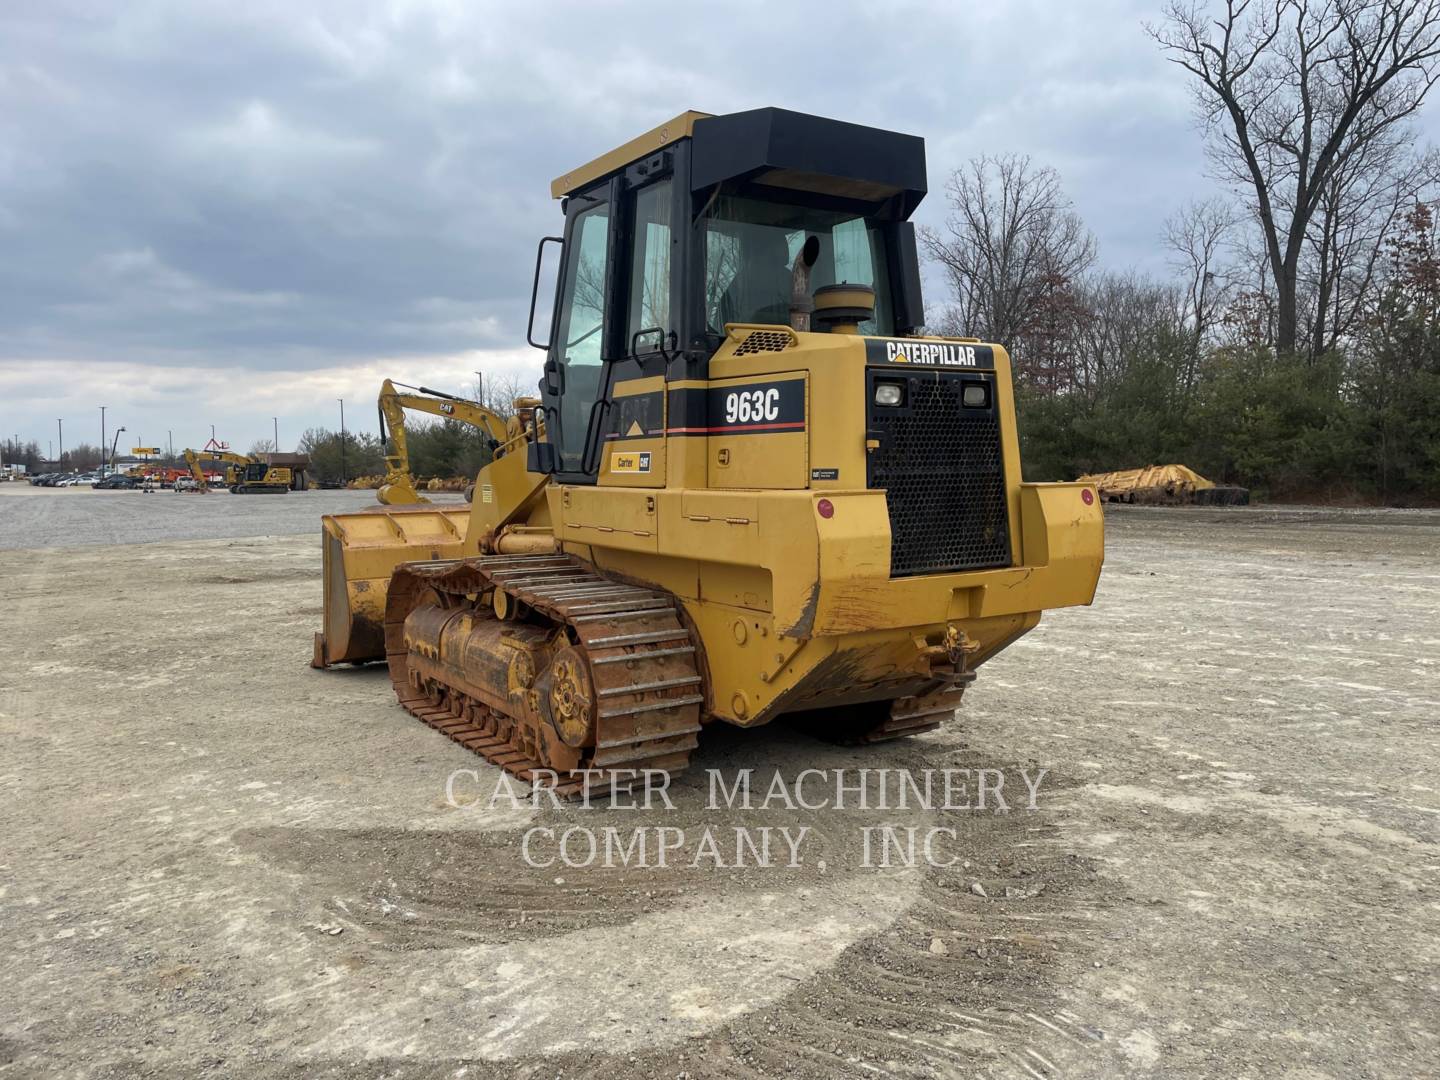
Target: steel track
x: 642, y: 661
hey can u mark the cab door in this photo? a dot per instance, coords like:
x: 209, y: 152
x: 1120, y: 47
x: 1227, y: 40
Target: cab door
x: 575, y: 367
x: 633, y: 454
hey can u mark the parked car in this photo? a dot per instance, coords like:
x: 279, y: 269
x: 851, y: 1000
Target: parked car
x: 114, y: 483
x: 40, y: 478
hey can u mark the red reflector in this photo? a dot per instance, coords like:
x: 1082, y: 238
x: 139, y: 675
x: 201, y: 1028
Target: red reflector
x: 1087, y: 496
x: 826, y: 508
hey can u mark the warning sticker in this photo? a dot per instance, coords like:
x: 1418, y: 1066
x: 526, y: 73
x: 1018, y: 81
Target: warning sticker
x: 487, y: 493
x: 824, y: 474
x: 622, y: 461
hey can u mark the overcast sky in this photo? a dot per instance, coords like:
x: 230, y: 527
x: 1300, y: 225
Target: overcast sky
x: 216, y: 213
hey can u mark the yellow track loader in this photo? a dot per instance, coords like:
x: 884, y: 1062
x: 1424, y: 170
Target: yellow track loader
x: 399, y: 486
x: 754, y: 489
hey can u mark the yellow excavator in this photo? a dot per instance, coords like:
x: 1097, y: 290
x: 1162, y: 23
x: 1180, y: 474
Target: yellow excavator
x: 755, y: 487
x: 243, y: 475
x: 398, y: 488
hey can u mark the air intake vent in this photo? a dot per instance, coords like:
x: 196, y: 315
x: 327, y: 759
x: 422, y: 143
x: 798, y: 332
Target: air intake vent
x: 941, y: 467
x: 758, y: 341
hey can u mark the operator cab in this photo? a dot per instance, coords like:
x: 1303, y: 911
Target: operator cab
x: 708, y: 221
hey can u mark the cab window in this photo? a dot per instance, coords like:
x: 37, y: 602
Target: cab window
x: 583, y: 314
x: 750, y: 248
x: 580, y: 334
x: 649, y: 301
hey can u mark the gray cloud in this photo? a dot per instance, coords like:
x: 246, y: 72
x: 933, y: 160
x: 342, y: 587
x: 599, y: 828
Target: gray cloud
x: 321, y: 185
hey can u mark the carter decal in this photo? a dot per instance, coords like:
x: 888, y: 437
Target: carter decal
x: 624, y: 462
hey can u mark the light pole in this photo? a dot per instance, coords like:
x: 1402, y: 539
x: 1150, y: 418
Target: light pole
x: 170, y: 442
x: 60, y: 427
x: 342, y: 441
x: 276, y: 445
x: 479, y: 387
x: 103, y: 470
x: 102, y: 440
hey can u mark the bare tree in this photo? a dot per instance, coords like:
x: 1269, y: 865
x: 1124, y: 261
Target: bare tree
x: 1011, y: 248
x: 1360, y: 209
x: 261, y: 447
x: 1123, y: 317
x: 1197, y: 235
x: 1247, y: 320
x: 1291, y: 92
x: 498, y: 392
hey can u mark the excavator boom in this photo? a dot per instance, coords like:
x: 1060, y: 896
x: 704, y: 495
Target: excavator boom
x: 398, y: 488
x: 194, y: 457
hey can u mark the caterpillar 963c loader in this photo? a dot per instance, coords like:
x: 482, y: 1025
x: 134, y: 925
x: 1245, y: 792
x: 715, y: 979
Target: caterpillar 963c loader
x: 751, y: 489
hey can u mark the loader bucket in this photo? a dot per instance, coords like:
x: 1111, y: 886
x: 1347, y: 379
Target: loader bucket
x: 360, y: 553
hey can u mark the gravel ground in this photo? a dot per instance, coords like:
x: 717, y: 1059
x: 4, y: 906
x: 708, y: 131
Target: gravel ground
x: 219, y: 862
x: 33, y: 517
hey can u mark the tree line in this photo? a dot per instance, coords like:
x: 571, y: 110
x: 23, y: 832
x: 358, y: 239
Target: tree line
x: 1294, y: 344
x: 81, y: 458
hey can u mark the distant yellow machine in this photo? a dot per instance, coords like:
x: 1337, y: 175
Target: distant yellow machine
x: 243, y: 475
x: 754, y: 489
x: 398, y: 488
x: 1165, y: 485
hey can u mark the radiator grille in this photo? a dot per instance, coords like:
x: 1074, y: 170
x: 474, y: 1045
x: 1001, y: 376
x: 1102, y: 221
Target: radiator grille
x: 941, y: 467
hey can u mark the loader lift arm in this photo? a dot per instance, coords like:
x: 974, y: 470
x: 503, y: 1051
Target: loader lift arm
x: 399, y: 486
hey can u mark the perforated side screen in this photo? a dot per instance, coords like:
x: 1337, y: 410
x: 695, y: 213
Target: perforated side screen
x: 764, y: 341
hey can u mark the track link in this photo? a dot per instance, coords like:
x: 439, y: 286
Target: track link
x: 641, y: 659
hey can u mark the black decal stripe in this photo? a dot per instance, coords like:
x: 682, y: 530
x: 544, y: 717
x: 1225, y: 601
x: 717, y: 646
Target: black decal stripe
x: 738, y: 429
x: 701, y: 410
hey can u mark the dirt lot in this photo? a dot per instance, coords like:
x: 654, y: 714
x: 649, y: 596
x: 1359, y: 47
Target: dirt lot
x: 69, y: 517
x: 217, y: 861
